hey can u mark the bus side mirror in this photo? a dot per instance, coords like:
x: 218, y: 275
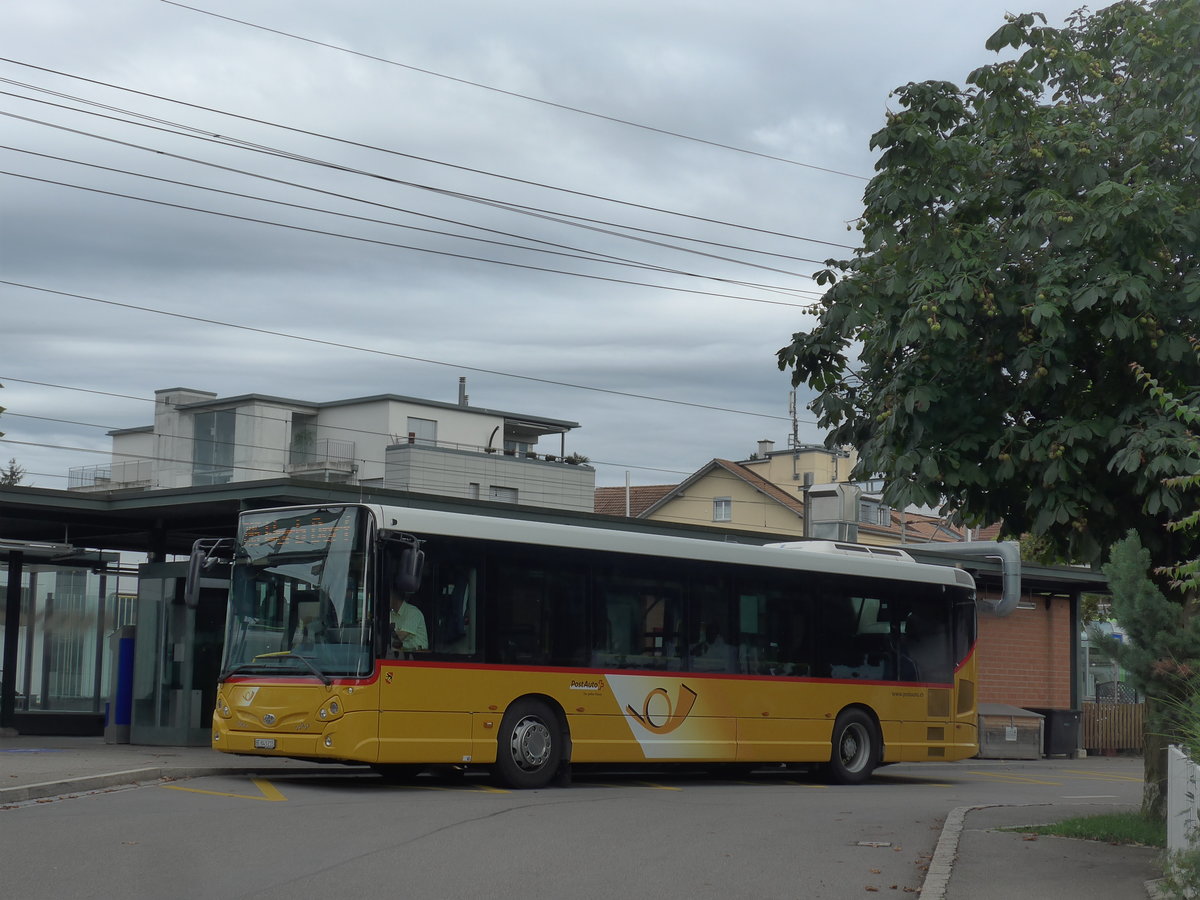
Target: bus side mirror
x: 408, y: 575
x: 206, y: 553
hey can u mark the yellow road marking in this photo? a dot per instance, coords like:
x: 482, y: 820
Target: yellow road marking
x: 1016, y: 779
x: 660, y: 787
x: 1105, y: 776
x: 815, y: 787
x: 488, y: 789
x: 269, y: 791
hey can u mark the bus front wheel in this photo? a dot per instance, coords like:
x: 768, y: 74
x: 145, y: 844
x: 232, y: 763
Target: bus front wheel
x: 856, y: 748
x: 530, y: 745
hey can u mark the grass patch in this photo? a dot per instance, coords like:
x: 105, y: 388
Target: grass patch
x: 1112, y: 828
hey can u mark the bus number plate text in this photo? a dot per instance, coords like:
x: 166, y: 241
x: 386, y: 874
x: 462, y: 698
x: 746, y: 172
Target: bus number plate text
x: 264, y: 743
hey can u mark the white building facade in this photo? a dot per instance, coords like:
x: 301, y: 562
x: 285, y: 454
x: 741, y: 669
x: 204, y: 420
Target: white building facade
x: 385, y: 441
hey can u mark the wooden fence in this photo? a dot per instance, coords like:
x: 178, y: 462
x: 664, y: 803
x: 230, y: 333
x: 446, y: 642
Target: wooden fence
x: 1113, y: 726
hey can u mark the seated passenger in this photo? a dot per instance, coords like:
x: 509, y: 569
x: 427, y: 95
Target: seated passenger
x: 712, y: 654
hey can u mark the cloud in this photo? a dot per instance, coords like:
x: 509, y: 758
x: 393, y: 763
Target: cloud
x: 798, y: 80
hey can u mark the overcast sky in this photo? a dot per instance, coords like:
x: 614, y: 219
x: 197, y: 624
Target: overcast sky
x: 639, y: 262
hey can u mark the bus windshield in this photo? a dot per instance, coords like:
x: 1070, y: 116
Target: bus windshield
x: 298, y: 600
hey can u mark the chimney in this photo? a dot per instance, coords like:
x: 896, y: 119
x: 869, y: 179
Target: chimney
x: 765, y: 447
x: 462, y: 390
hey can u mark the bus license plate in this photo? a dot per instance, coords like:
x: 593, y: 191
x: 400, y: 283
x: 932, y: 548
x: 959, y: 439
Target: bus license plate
x: 264, y: 743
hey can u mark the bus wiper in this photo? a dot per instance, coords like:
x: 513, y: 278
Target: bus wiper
x: 284, y: 654
x: 308, y: 663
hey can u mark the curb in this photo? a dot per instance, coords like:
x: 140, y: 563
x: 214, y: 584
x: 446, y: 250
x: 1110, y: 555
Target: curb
x: 85, y: 783
x: 941, y: 867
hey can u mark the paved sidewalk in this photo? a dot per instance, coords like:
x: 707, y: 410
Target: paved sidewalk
x: 33, y: 767
x: 985, y: 863
x: 973, y: 860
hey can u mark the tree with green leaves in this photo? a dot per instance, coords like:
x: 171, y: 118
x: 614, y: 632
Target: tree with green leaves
x: 1161, y: 653
x: 1161, y: 619
x: 1184, y: 575
x: 1023, y: 241
x: 12, y: 474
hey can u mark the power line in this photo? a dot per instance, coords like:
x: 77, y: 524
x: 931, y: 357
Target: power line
x: 270, y: 448
x: 519, y: 96
x: 390, y: 354
x: 382, y: 243
x: 343, y: 429
x: 234, y: 467
x: 257, y: 416
x: 558, y: 217
x: 580, y: 254
x: 128, y: 456
x: 396, y: 153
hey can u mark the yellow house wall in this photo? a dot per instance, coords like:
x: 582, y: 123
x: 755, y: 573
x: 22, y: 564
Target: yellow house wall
x: 778, y: 468
x: 878, y: 540
x: 750, y: 510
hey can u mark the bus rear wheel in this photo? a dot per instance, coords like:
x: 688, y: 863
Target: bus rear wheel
x: 529, y: 745
x: 856, y: 748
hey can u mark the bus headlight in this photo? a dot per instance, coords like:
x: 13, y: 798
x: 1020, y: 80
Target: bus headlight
x: 330, y: 710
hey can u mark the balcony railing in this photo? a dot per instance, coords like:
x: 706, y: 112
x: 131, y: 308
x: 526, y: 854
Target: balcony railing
x: 132, y: 473
x: 426, y: 444
x: 322, y: 455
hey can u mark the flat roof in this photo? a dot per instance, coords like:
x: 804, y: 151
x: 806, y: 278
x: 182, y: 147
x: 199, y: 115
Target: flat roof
x: 375, y: 398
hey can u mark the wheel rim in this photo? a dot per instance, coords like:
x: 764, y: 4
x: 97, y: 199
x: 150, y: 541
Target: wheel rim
x: 531, y: 743
x: 854, y: 748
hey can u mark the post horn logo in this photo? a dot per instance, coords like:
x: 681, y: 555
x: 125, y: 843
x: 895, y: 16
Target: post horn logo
x: 664, y: 723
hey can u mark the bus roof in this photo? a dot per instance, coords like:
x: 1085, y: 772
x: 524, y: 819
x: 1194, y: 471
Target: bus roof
x: 816, y: 556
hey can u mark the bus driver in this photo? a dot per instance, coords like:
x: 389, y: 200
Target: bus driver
x: 408, y: 625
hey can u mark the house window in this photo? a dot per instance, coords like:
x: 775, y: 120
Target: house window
x: 212, y: 455
x: 304, y: 439
x: 502, y: 494
x: 422, y: 431
x: 722, y: 509
x: 872, y: 512
x: 518, y: 446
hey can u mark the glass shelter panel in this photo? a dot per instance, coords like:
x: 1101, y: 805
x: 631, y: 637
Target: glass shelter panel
x: 60, y: 640
x: 55, y: 665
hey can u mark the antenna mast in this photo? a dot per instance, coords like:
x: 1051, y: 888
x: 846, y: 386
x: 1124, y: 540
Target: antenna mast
x: 794, y: 437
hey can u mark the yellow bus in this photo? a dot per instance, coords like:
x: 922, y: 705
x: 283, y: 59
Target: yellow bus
x: 406, y: 638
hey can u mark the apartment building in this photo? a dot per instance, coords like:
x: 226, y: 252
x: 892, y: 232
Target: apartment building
x: 384, y: 440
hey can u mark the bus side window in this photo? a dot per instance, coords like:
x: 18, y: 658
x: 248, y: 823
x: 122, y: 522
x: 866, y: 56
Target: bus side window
x: 927, y: 641
x: 637, y: 623
x: 714, y: 630
x: 519, y: 633
x: 455, y: 609
x: 839, y: 625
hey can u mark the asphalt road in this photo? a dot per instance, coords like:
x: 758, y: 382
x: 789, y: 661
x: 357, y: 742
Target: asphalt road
x: 664, y: 836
